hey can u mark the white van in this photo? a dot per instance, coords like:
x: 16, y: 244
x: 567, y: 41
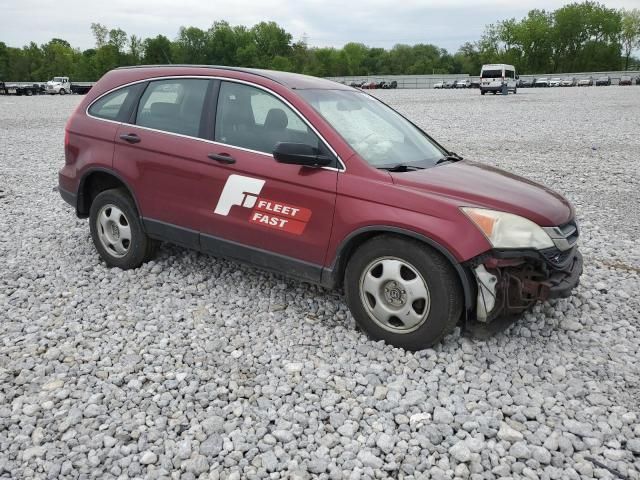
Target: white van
x: 498, y: 77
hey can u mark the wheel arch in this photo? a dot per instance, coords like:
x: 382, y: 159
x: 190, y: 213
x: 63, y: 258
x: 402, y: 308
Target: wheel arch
x: 333, y: 276
x: 96, y: 180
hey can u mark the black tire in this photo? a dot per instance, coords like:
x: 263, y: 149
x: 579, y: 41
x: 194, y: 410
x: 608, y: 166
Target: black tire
x: 63, y: 91
x: 515, y: 90
x: 140, y: 248
x: 482, y: 92
x: 445, y: 292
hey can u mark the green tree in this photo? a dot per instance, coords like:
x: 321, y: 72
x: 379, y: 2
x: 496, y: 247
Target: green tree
x: 157, y: 50
x: 630, y: 33
x: 191, y: 46
x: 100, y: 33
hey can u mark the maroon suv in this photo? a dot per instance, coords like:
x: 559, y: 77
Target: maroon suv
x: 319, y: 181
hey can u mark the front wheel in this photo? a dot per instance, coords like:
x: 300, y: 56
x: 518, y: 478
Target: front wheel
x: 515, y: 90
x: 403, y: 292
x: 117, y: 232
x: 63, y: 91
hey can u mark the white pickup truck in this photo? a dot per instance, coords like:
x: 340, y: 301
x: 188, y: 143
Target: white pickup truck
x: 58, y: 85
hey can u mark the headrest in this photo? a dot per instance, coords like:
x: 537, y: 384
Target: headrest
x: 276, y: 119
x: 164, y: 109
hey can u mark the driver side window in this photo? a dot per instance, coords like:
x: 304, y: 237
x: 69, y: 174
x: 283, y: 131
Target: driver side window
x: 251, y: 118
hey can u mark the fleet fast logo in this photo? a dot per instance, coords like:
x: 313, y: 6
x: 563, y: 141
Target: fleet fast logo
x: 244, y: 191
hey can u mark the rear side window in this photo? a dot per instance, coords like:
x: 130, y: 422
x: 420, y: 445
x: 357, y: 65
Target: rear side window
x: 510, y: 74
x: 173, y: 105
x: 252, y: 118
x: 110, y: 106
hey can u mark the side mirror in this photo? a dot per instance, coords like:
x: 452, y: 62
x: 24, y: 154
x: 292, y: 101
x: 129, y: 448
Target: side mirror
x: 300, y: 154
x: 517, y: 77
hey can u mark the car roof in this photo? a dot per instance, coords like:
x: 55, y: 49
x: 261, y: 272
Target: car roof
x: 294, y: 81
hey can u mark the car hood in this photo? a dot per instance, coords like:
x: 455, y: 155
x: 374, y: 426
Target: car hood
x: 474, y: 184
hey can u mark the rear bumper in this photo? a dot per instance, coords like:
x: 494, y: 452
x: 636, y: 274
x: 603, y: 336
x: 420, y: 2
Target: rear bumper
x: 69, y: 197
x: 493, y: 88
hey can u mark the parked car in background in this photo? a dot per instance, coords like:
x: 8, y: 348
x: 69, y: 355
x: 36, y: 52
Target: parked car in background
x: 585, y: 82
x: 526, y: 82
x: 568, y: 82
x: 393, y: 84
x: 603, y: 81
x: 464, y: 83
x: 450, y: 84
x: 638, y: 80
x: 475, y: 83
x: 316, y: 180
x: 542, y: 82
x: 498, y: 78
x: 625, y: 80
x: 555, y: 82
x: 438, y: 85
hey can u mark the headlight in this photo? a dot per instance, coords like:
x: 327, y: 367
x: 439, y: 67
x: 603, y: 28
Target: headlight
x: 505, y: 230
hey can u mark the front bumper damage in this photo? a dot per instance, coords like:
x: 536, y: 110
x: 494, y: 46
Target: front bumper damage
x: 510, y: 282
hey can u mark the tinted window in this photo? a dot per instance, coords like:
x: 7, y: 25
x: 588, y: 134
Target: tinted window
x: 491, y: 74
x: 110, y: 105
x: 173, y: 105
x: 251, y: 118
x: 509, y: 73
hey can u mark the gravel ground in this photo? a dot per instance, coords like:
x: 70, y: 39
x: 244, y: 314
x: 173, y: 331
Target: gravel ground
x: 196, y: 367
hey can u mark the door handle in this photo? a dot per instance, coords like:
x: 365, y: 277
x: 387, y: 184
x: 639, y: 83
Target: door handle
x: 222, y: 158
x: 130, y: 137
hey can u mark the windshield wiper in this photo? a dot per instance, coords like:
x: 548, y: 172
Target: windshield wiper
x: 450, y: 157
x: 401, y: 167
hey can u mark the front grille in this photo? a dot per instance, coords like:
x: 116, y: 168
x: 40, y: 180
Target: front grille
x: 564, y: 236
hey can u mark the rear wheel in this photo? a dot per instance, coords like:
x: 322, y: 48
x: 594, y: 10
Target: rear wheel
x: 401, y: 291
x: 117, y: 232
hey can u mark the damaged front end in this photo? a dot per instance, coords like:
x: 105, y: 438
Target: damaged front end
x: 512, y: 281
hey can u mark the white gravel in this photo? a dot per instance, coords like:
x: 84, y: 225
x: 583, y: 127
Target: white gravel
x: 196, y: 367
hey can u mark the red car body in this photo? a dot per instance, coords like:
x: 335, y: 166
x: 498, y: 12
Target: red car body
x: 176, y: 187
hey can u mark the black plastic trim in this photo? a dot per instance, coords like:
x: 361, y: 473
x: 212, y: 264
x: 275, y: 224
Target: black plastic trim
x: 69, y: 197
x: 292, y: 267
x: 330, y: 275
x: 113, y: 173
x: 275, y: 262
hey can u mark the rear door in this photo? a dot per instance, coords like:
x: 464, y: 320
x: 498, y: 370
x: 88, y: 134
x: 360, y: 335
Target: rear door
x: 264, y: 205
x: 163, y: 153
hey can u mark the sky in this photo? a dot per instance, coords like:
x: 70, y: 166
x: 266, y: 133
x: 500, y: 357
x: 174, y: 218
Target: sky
x: 376, y: 23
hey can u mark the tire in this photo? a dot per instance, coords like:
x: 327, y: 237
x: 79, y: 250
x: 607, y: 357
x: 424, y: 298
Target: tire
x: 117, y: 232
x: 515, y: 90
x: 482, y: 92
x: 420, y: 285
x: 63, y: 91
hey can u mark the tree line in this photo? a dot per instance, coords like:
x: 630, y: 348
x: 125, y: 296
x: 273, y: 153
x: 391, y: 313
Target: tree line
x: 585, y: 36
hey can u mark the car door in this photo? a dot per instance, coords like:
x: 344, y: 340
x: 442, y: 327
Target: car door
x: 278, y: 214
x: 163, y: 153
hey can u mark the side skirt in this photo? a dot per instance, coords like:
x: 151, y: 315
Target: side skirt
x: 219, y: 247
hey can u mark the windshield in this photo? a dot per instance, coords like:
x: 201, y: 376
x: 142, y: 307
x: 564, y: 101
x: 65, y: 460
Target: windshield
x: 57, y: 79
x: 377, y: 133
